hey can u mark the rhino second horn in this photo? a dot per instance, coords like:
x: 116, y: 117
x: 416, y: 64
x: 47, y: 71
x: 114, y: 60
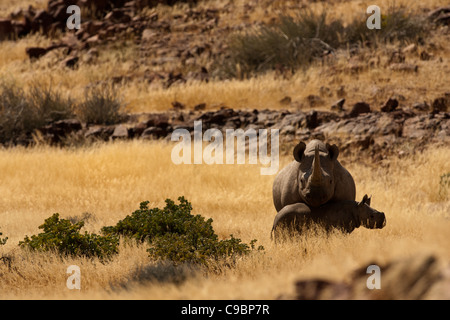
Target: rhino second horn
x: 316, y: 176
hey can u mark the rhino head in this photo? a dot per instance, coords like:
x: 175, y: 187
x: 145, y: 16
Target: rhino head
x: 316, y: 171
x: 368, y: 217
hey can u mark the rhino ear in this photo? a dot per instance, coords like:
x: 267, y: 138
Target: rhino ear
x: 299, y: 151
x: 333, y: 151
x: 365, y: 200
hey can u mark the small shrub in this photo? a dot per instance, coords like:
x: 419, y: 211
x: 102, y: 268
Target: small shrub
x: 65, y: 237
x: 23, y: 112
x: 50, y: 104
x: 101, y: 105
x: 175, y: 234
x: 294, y: 43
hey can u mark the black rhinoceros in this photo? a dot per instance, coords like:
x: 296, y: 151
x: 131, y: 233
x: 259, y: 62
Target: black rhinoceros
x: 315, y: 177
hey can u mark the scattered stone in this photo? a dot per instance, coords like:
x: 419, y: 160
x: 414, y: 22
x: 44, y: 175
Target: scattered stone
x: 338, y: 105
x: 390, y: 105
x: 200, y: 107
x: 440, y: 104
x: 70, y: 62
x: 359, y: 108
x: 6, y: 29
x: 286, y: 100
x: 35, y: 52
x: 404, y: 67
x: 178, y: 105
x: 120, y: 132
x: 410, y: 48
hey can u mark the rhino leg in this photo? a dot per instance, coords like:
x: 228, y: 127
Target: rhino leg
x: 292, y: 217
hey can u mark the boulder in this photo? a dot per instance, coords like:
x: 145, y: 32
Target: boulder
x: 120, y: 132
x: 6, y: 29
x: 359, y: 108
x: 390, y: 105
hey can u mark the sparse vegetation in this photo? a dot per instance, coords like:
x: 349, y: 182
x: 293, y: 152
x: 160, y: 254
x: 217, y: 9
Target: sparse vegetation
x: 294, y: 43
x: 23, y: 112
x: 101, y: 105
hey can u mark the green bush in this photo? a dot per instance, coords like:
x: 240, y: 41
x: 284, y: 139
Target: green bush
x: 65, y: 237
x: 175, y: 234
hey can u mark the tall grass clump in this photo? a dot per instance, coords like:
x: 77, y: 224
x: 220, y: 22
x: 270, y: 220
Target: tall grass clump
x: 295, y: 42
x: 101, y: 105
x: 23, y: 111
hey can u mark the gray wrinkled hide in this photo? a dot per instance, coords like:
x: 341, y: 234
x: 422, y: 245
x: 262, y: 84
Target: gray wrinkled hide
x: 297, y: 183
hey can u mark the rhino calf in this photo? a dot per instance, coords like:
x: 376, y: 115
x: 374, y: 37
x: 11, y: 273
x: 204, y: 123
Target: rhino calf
x: 342, y: 215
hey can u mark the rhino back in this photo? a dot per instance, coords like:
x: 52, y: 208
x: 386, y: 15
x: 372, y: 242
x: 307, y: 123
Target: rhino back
x: 345, y: 188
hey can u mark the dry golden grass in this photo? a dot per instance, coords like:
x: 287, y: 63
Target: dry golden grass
x: 110, y: 181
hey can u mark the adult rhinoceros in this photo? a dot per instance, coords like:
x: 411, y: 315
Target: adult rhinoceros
x: 315, y: 177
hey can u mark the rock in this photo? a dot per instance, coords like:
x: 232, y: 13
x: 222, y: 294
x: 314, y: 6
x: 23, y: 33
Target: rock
x: 286, y: 100
x: 35, y: 52
x: 99, y: 132
x: 410, y: 48
x: 42, y: 21
x: 178, y: 105
x: 359, y: 108
x: 6, y: 29
x: 287, y: 130
x: 389, y: 105
x: 338, y: 105
x: 421, y: 106
x: 158, y: 120
x: 200, y: 107
x: 70, y: 62
x: 404, y: 67
x: 440, y: 104
x: 311, y: 120
x: 120, y: 132
x: 154, y: 133
x: 62, y: 128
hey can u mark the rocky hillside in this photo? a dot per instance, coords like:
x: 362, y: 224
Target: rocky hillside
x: 180, y: 46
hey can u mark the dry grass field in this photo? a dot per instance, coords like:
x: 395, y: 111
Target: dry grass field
x: 109, y: 180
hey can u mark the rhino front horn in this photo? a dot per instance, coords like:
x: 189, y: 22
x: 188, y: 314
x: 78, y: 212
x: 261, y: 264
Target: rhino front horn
x: 316, y: 176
